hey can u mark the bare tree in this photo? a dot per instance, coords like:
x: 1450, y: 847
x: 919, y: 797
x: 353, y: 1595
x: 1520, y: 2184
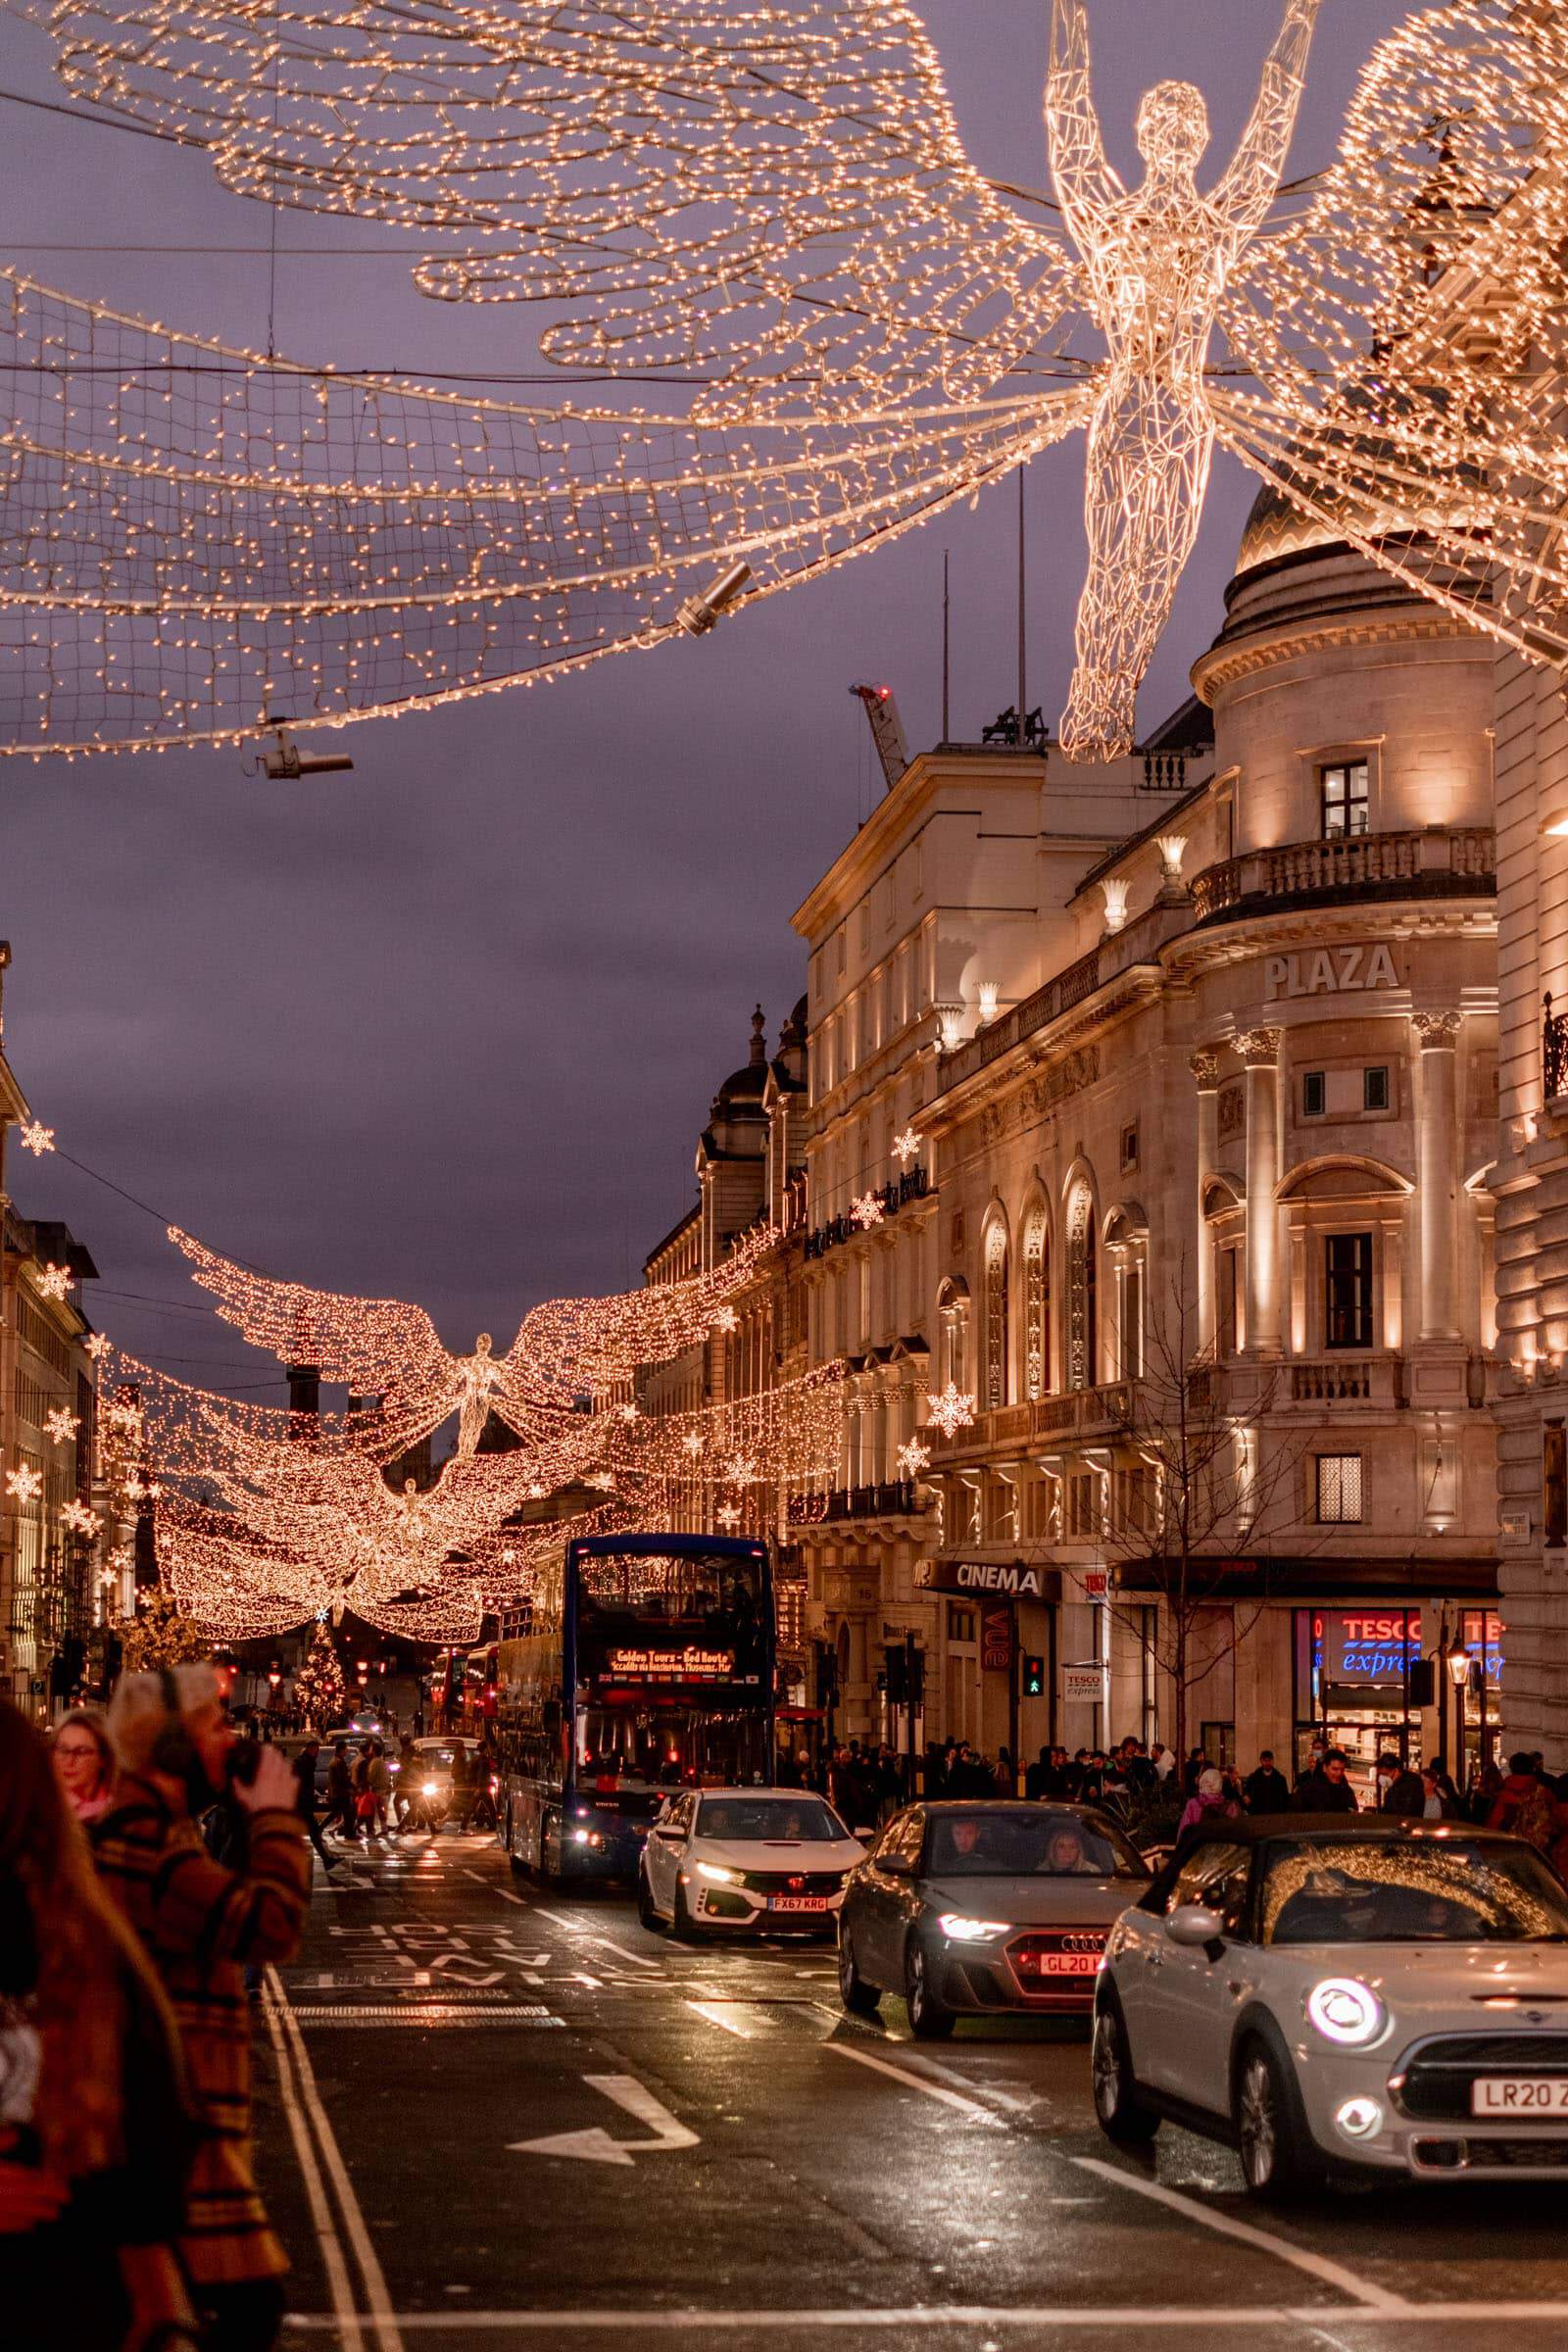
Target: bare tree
x: 1196, y: 1489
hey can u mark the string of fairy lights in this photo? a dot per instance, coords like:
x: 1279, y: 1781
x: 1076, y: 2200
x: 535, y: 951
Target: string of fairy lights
x: 770, y: 205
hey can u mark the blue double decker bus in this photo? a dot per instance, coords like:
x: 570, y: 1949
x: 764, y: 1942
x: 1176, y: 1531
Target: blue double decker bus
x: 643, y: 1663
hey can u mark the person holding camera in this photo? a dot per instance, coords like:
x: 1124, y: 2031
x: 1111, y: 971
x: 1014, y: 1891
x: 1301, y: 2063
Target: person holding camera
x: 204, y: 1923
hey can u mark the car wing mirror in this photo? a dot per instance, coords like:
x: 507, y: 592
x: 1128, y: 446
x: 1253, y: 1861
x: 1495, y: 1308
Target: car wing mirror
x: 1195, y: 1928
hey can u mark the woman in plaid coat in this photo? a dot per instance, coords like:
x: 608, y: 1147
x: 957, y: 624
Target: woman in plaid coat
x: 203, y: 1924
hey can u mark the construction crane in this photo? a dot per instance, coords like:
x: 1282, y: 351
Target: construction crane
x: 887, y: 730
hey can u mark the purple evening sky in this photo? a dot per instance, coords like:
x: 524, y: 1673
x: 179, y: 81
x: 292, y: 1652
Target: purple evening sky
x: 447, y: 1028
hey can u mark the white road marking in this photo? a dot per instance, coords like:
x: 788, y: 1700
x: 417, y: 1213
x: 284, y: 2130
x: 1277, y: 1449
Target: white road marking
x: 715, y: 2015
x: 1224, y: 2224
x: 1065, y: 2317
x: 383, y: 2323
x: 932, y: 2090
x: 339, y: 2285
x: 505, y: 1892
x: 592, y: 1935
x: 595, y: 2145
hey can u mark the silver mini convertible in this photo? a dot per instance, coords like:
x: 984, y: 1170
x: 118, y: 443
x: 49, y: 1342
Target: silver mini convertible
x: 1335, y: 1995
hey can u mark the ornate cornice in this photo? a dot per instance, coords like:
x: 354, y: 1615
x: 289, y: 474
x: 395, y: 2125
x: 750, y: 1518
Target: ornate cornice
x: 1206, y: 1069
x: 1224, y: 665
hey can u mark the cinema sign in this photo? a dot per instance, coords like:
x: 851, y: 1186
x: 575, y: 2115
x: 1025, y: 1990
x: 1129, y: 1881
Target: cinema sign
x: 990, y: 1579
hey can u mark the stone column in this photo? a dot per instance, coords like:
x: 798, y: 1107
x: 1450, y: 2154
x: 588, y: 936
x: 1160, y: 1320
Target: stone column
x: 1206, y: 1070
x: 1259, y: 1049
x: 1439, y: 1035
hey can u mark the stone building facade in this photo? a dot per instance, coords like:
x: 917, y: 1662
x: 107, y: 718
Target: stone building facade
x: 54, y: 1600
x: 1228, y: 1168
x: 941, y: 920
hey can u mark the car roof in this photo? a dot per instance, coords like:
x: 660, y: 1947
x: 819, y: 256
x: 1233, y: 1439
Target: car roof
x: 793, y: 1797
x: 1258, y: 1829
x: 1026, y: 1808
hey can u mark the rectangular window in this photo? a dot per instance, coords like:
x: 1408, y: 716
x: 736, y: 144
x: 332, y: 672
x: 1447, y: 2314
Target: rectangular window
x: 1132, y: 1324
x: 961, y: 1623
x: 1375, y: 1088
x: 1347, y: 1291
x: 1228, y: 1331
x: 1314, y: 1094
x: 1554, y: 1480
x: 1339, y: 1490
x: 1346, y: 801
x: 1129, y: 1147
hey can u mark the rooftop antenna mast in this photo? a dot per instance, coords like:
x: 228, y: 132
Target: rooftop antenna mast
x: 1023, y: 695
x: 947, y: 652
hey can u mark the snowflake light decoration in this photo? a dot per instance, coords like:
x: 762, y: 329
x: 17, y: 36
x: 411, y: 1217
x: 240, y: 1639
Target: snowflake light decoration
x: 33, y: 1136
x: 60, y: 1425
x: 726, y: 1320
x: 772, y: 198
x: 692, y: 1444
x: 950, y: 1411
x: 868, y: 1212
x: 913, y: 1457
x: 55, y: 1281
x: 97, y: 1345
x: 23, y: 1484
x: 907, y: 1145
x: 741, y: 1470
x: 79, y: 1520
x: 728, y: 1517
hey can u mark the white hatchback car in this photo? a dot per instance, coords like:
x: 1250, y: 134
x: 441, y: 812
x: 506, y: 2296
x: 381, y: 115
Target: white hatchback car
x: 1341, y: 1995
x: 746, y: 1860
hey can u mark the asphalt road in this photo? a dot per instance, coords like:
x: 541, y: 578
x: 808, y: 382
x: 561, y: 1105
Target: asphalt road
x: 494, y: 2114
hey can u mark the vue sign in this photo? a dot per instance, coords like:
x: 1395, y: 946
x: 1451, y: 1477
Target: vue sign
x: 1330, y: 972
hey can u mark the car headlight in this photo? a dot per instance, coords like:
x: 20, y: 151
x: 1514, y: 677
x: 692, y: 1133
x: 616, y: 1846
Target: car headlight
x: 958, y: 1930
x: 1346, y: 2010
x: 718, y: 1874
x: 432, y: 1789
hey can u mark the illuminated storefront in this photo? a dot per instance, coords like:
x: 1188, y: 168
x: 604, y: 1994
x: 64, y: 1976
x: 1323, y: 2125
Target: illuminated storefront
x: 1377, y: 1678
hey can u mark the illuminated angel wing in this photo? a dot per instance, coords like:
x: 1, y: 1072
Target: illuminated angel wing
x: 1407, y: 334
x: 736, y: 186
x: 358, y: 545
x: 569, y: 1349
x: 375, y: 1347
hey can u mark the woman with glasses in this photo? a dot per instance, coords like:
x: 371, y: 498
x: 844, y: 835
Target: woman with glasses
x: 85, y: 1764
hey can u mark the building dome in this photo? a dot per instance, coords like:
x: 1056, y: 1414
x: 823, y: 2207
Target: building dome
x: 1275, y: 528
x: 747, y: 1084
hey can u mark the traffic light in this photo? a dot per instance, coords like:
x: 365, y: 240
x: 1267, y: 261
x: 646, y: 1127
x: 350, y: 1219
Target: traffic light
x: 1034, y: 1678
x: 897, y: 1679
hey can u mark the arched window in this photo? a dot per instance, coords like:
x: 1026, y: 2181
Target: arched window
x: 1036, y: 1305
x: 1083, y: 1321
x: 996, y: 1271
x: 953, y: 1308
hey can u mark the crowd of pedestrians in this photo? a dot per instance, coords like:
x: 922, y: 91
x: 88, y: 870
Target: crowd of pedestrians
x: 149, y: 1868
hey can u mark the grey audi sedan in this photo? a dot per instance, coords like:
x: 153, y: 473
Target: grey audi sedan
x: 974, y: 1909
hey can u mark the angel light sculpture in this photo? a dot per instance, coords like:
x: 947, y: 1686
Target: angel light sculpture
x: 767, y: 205
x: 1159, y: 263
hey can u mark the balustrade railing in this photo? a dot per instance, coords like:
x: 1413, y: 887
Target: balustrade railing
x: 1359, y: 861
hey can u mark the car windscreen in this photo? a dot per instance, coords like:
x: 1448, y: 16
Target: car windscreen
x: 1034, y: 1843
x: 1420, y: 1890
x: 758, y: 1820
x: 434, y: 1759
